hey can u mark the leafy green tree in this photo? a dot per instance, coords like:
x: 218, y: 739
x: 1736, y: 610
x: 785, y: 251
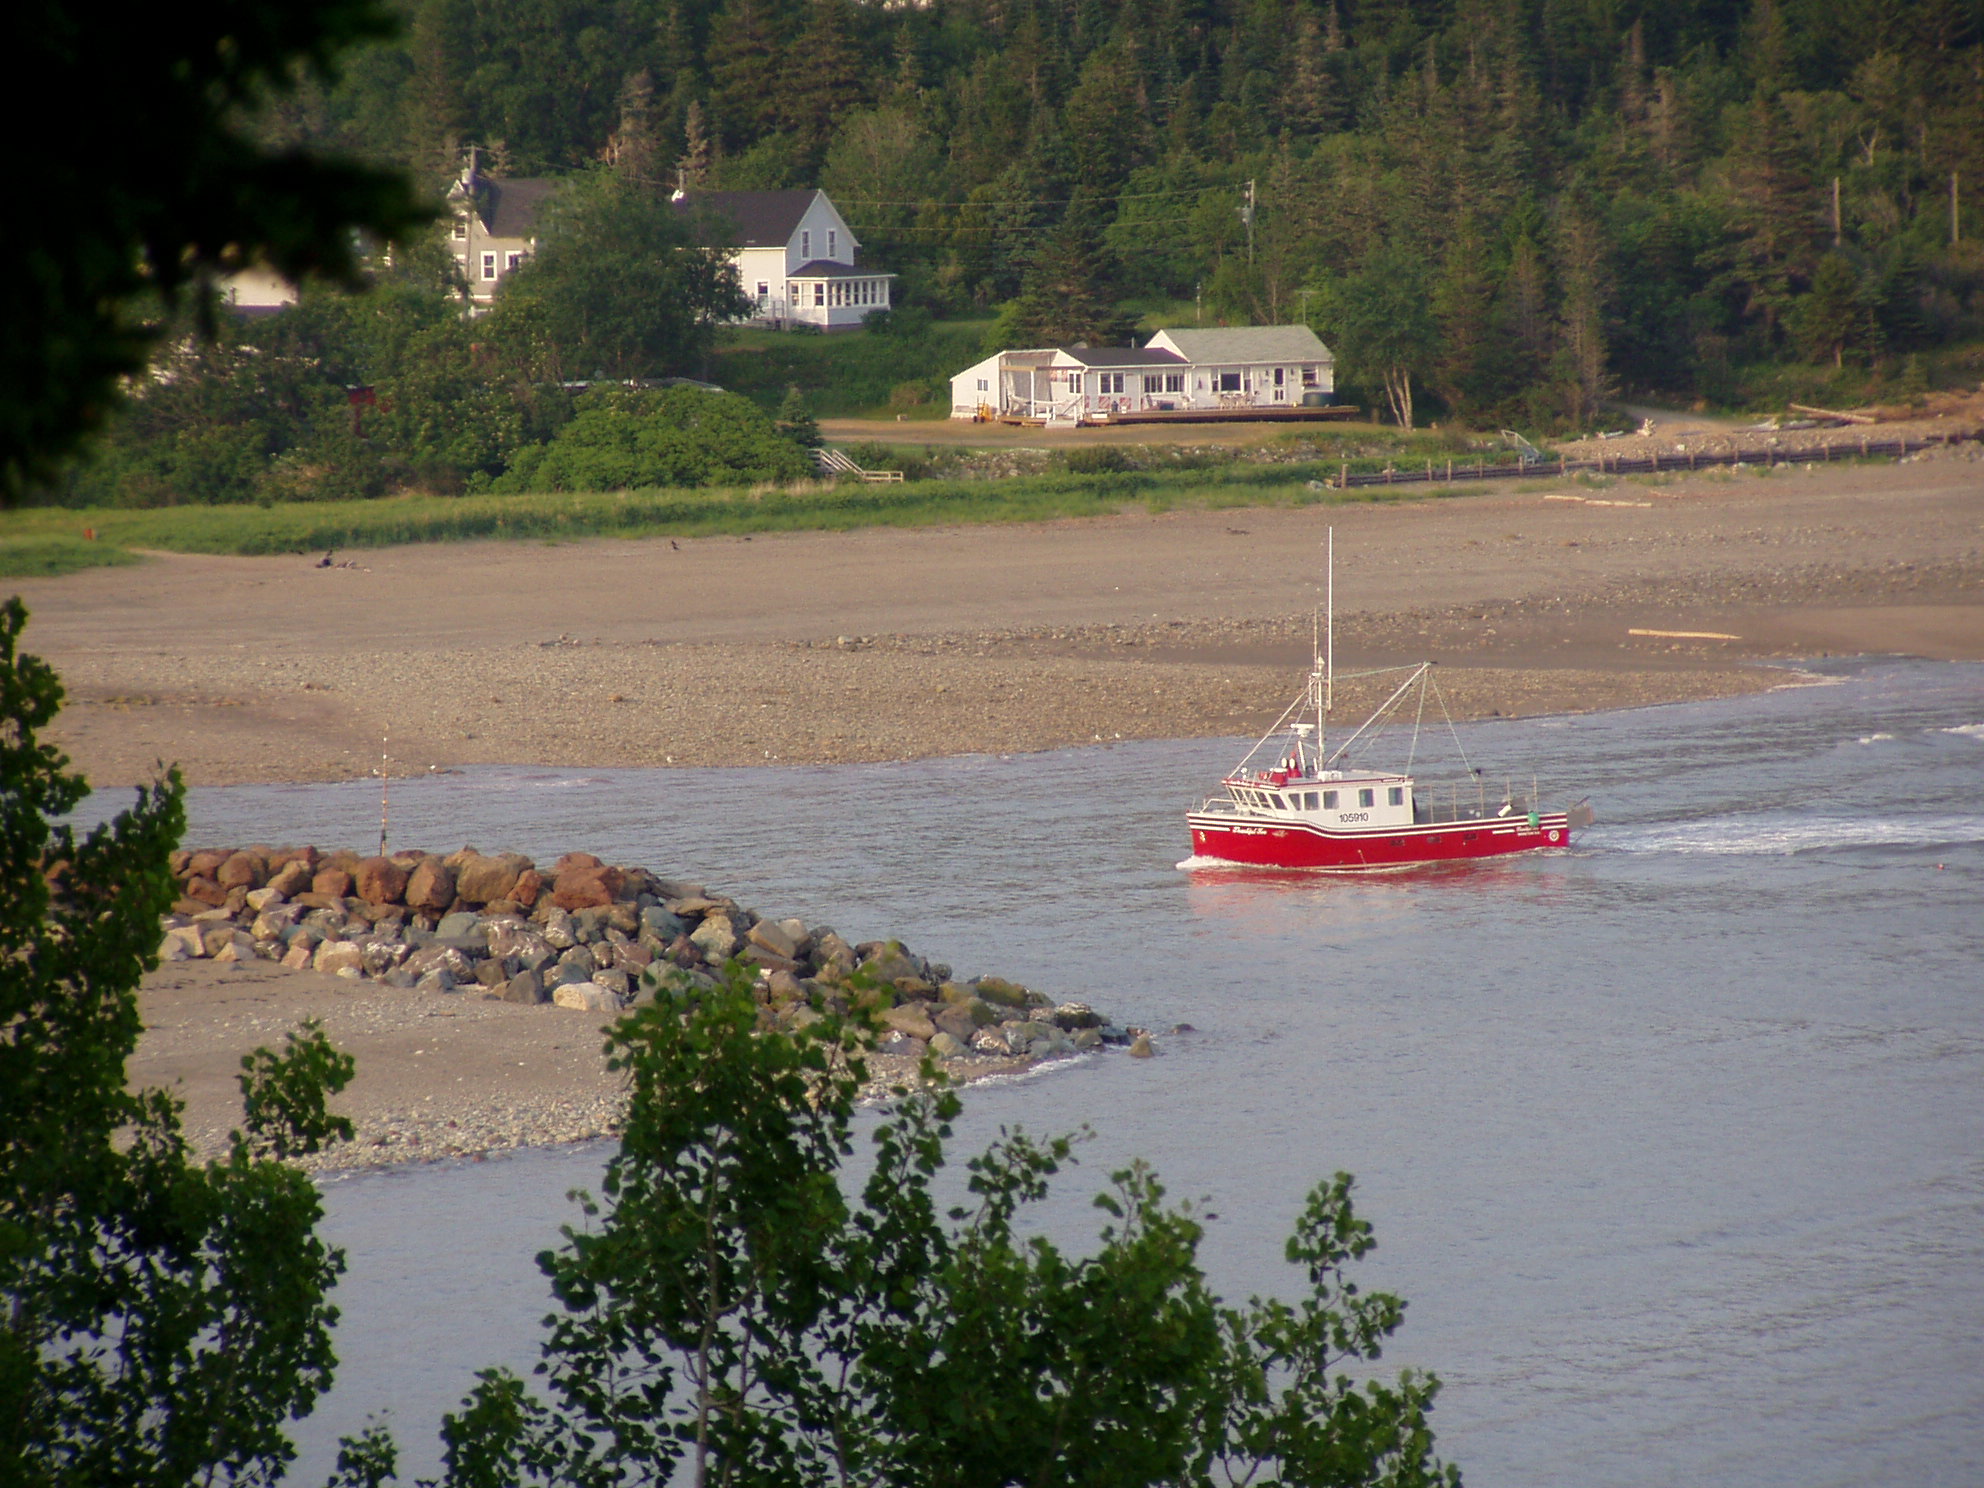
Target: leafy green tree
x: 626, y: 438
x: 617, y: 288
x: 161, y: 1319
x: 154, y: 185
x: 730, y: 1313
x: 1379, y: 322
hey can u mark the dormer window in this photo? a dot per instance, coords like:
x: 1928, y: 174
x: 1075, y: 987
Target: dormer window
x: 806, y: 245
x: 461, y: 228
x: 833, y: 243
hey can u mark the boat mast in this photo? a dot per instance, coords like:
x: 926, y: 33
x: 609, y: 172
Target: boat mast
x: 1324, y: 696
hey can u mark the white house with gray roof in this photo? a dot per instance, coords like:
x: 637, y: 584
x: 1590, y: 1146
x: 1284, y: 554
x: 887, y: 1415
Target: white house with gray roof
x: 1229, y: 371
x: 795, y: 256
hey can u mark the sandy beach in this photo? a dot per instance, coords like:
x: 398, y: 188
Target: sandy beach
x: 1535, y: 597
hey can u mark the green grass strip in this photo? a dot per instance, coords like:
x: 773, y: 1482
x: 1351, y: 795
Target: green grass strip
x: 308, y: 527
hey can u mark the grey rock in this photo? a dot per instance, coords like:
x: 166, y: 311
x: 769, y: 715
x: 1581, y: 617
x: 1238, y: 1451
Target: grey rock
x: 557, y: 930
x: 667, y: 926
x: 402, y: 978
x: 715, y: 937
x: 1088, y: 1038
x: 462, y: 923
x: 946, y: 1047
x: 566, y: 974
x: 381, y: 956
x: 615, y: 981
x: 491, y: 973
x: 1141, y: 1047
x: 437, y: 980
x: 525, y: 986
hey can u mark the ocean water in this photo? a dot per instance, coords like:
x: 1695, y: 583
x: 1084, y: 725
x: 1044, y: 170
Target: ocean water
x: 1673, y: 1141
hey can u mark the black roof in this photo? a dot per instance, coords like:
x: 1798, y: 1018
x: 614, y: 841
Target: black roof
x: 509, y: 208
x: 826, y: 268
x: 763, y: 219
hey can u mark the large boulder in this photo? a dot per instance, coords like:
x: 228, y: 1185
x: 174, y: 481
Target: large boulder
x: 587, y: 997
x: 330, y: 883
x: 206, y: 863
x: 585, y: 886
x: 483, y: 880
x: 430, y: 887
x: 339, y: 956
x: 529, y: 885
x: 716, y: 938
x: 242, y: 870
x: 525, y: 986
x: 205, y: 891
x: 380, y: 881
x: 775, y: 938
x: 911, y: 1019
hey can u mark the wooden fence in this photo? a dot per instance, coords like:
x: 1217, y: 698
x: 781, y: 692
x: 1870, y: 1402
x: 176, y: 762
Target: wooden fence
x: 1452, y: 472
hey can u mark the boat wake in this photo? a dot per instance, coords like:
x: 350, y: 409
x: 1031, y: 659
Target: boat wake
x: 1781, y: 836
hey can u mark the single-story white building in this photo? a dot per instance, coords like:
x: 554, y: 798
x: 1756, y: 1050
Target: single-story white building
x: 795, y: 256
x: 1231, y: 369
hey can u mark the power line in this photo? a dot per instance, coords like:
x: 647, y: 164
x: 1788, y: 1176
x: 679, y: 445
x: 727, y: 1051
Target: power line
x: 1044, y: 201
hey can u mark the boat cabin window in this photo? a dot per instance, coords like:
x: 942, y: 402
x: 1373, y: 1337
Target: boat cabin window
x: 1367, y: 798
x: 1279, y: 804
x: 1396, y: 795
x: 1309, y: 800
x: 1329, y: 800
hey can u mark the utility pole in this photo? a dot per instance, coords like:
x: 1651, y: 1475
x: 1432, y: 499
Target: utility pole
x: 1247, y: 216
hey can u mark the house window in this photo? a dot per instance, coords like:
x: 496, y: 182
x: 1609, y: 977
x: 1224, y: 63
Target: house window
x: 806, y: 245
x: 1309, y: 377
x: 461, y: 228
x: 981, y: 385
x: 764, y: 291
x: 833, y: 243
x: 1112, y: 382
x: 1229, y: 382
x: 1174, y: 382
x: 511, y: 260
x: 1278, y: 374
x: 819, y: 294
x: 489, y: 266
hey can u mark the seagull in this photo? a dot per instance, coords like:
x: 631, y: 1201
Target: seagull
x: 675, y: 545
x: 325, y: 561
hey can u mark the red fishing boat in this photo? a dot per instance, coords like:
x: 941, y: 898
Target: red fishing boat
x: 1296, y: 802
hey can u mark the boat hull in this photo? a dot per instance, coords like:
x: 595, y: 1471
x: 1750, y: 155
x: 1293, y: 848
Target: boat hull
x: 1268, y: 843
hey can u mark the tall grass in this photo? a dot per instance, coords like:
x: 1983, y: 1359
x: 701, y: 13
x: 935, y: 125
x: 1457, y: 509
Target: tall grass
x: 316, y: 526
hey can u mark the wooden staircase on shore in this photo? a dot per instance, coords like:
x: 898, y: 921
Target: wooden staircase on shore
x: 833, y: 463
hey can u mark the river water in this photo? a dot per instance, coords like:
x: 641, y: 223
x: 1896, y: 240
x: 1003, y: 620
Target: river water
x: 1674, y: 1142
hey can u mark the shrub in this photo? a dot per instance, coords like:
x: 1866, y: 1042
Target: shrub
x: 623, y: 438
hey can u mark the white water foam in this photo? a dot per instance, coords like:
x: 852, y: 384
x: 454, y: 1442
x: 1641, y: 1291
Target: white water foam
x: 1774, y: 836
x: 1968, y: 730
x: 1875, y: 738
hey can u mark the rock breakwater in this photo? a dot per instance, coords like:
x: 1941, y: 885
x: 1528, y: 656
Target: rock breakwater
x: 592, y: 936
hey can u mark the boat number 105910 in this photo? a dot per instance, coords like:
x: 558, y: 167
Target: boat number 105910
x: 1351, y: 816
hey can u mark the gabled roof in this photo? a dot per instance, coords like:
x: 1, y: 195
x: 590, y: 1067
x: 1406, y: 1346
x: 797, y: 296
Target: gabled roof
x: 1281, y: 343
x: 508, y: 209
x: 1122, y: 356
x: 763, y: 219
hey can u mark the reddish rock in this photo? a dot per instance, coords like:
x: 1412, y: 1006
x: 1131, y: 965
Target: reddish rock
x: 282, y: 857
x: 344, y: 860
x: 575, y: 860
x: 431, y: 887
x: 587, y: 887
x: 482, y: 880
x: 292, y: 878
x: 529, y: 884
x: 206, y: 891
x: 242, y: 870
x: 331, y: 883
x: 206, y: 864
x: 178, y: 861
x: 379, y: 881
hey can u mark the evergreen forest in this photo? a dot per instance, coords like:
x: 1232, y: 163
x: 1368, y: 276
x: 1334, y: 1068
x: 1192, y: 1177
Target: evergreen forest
x: 1520, y: 207
x: 1498, y: 213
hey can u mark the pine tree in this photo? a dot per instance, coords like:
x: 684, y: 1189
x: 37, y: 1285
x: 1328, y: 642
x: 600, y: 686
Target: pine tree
x: 795, y: 420
x: 1065, y: 295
